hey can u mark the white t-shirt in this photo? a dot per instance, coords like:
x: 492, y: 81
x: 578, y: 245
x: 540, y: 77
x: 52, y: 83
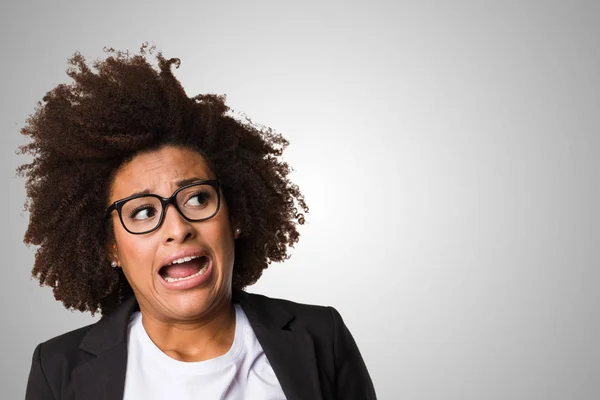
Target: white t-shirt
x: 242, y: 373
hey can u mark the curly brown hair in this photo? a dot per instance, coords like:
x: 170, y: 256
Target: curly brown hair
x: 84, y: 131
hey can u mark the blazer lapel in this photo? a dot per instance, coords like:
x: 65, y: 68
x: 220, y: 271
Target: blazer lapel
x: 290, y: 353
x: 103, y: 376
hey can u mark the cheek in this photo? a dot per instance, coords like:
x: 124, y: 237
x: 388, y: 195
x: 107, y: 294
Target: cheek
x: 222, y: 239
x: 219, y: 237
x: 133, y: 253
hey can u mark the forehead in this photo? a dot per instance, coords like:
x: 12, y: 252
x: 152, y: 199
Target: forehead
x: 158, y: 171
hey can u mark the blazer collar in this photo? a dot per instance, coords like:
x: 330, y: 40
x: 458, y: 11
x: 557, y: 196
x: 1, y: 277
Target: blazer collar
x: 290, y: 353
x: 111, y: 330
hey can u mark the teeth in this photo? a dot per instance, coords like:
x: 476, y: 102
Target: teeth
x: 202, y: 271
x: 182, y: 260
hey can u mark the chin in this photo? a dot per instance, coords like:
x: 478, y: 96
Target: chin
x: 191, y: 303
x: 187, y: 307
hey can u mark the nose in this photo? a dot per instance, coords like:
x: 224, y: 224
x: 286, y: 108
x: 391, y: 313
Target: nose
x: 175, y: 228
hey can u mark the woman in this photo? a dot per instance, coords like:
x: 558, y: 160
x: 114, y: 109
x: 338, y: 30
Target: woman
x: 157, y: 210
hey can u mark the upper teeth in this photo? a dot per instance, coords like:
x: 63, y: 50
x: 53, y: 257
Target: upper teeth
x: 182, y: 260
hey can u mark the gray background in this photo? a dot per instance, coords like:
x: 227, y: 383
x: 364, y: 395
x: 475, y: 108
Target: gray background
x: 448, y: 152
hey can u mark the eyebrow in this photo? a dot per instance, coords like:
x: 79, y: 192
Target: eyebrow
x: 179, y: 183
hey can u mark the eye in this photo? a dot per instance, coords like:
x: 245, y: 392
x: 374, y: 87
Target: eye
x: 142, y: 213
x: 198, y: 199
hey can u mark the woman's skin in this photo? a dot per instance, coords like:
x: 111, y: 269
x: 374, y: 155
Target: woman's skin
x: 195, y: 324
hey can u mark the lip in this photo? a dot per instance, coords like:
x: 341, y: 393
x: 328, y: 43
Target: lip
x: 189, y: 283
x: 191, y: 252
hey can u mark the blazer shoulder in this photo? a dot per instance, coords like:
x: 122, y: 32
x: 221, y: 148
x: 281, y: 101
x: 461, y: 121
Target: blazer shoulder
x: 307, y: 316
x: 61, y: 348
x: 289, y: 304
x: 52, y: 363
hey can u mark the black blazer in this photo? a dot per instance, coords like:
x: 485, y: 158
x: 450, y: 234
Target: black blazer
x: 309, y: 348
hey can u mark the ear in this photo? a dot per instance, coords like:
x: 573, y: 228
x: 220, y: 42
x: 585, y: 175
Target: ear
x: 235, y: 226
x: 111, y: 252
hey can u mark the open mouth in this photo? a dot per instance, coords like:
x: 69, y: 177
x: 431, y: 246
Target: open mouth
x: 185, y: 268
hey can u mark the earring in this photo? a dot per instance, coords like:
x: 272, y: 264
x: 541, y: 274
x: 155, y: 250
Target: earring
x: 238, y: 231
x: 114, y: 264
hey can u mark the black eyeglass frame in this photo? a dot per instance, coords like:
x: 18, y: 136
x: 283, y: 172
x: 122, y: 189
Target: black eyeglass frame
x: 165, y: 201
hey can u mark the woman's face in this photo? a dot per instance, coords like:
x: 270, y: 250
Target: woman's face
x: 143, y: 256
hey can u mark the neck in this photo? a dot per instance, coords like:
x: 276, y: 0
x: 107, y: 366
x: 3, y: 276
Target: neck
x: 202, y: 339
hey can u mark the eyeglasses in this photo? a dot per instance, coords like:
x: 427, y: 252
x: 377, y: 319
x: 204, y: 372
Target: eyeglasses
x: 144, y: 213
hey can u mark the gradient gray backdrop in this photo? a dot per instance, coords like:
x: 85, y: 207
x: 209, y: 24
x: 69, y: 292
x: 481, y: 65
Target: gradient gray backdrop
x: 448, y: 152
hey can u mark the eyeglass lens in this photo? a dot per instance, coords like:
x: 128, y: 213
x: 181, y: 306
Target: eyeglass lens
x: 196, y: 202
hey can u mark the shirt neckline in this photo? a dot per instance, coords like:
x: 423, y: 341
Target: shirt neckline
x: 172, y: 365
